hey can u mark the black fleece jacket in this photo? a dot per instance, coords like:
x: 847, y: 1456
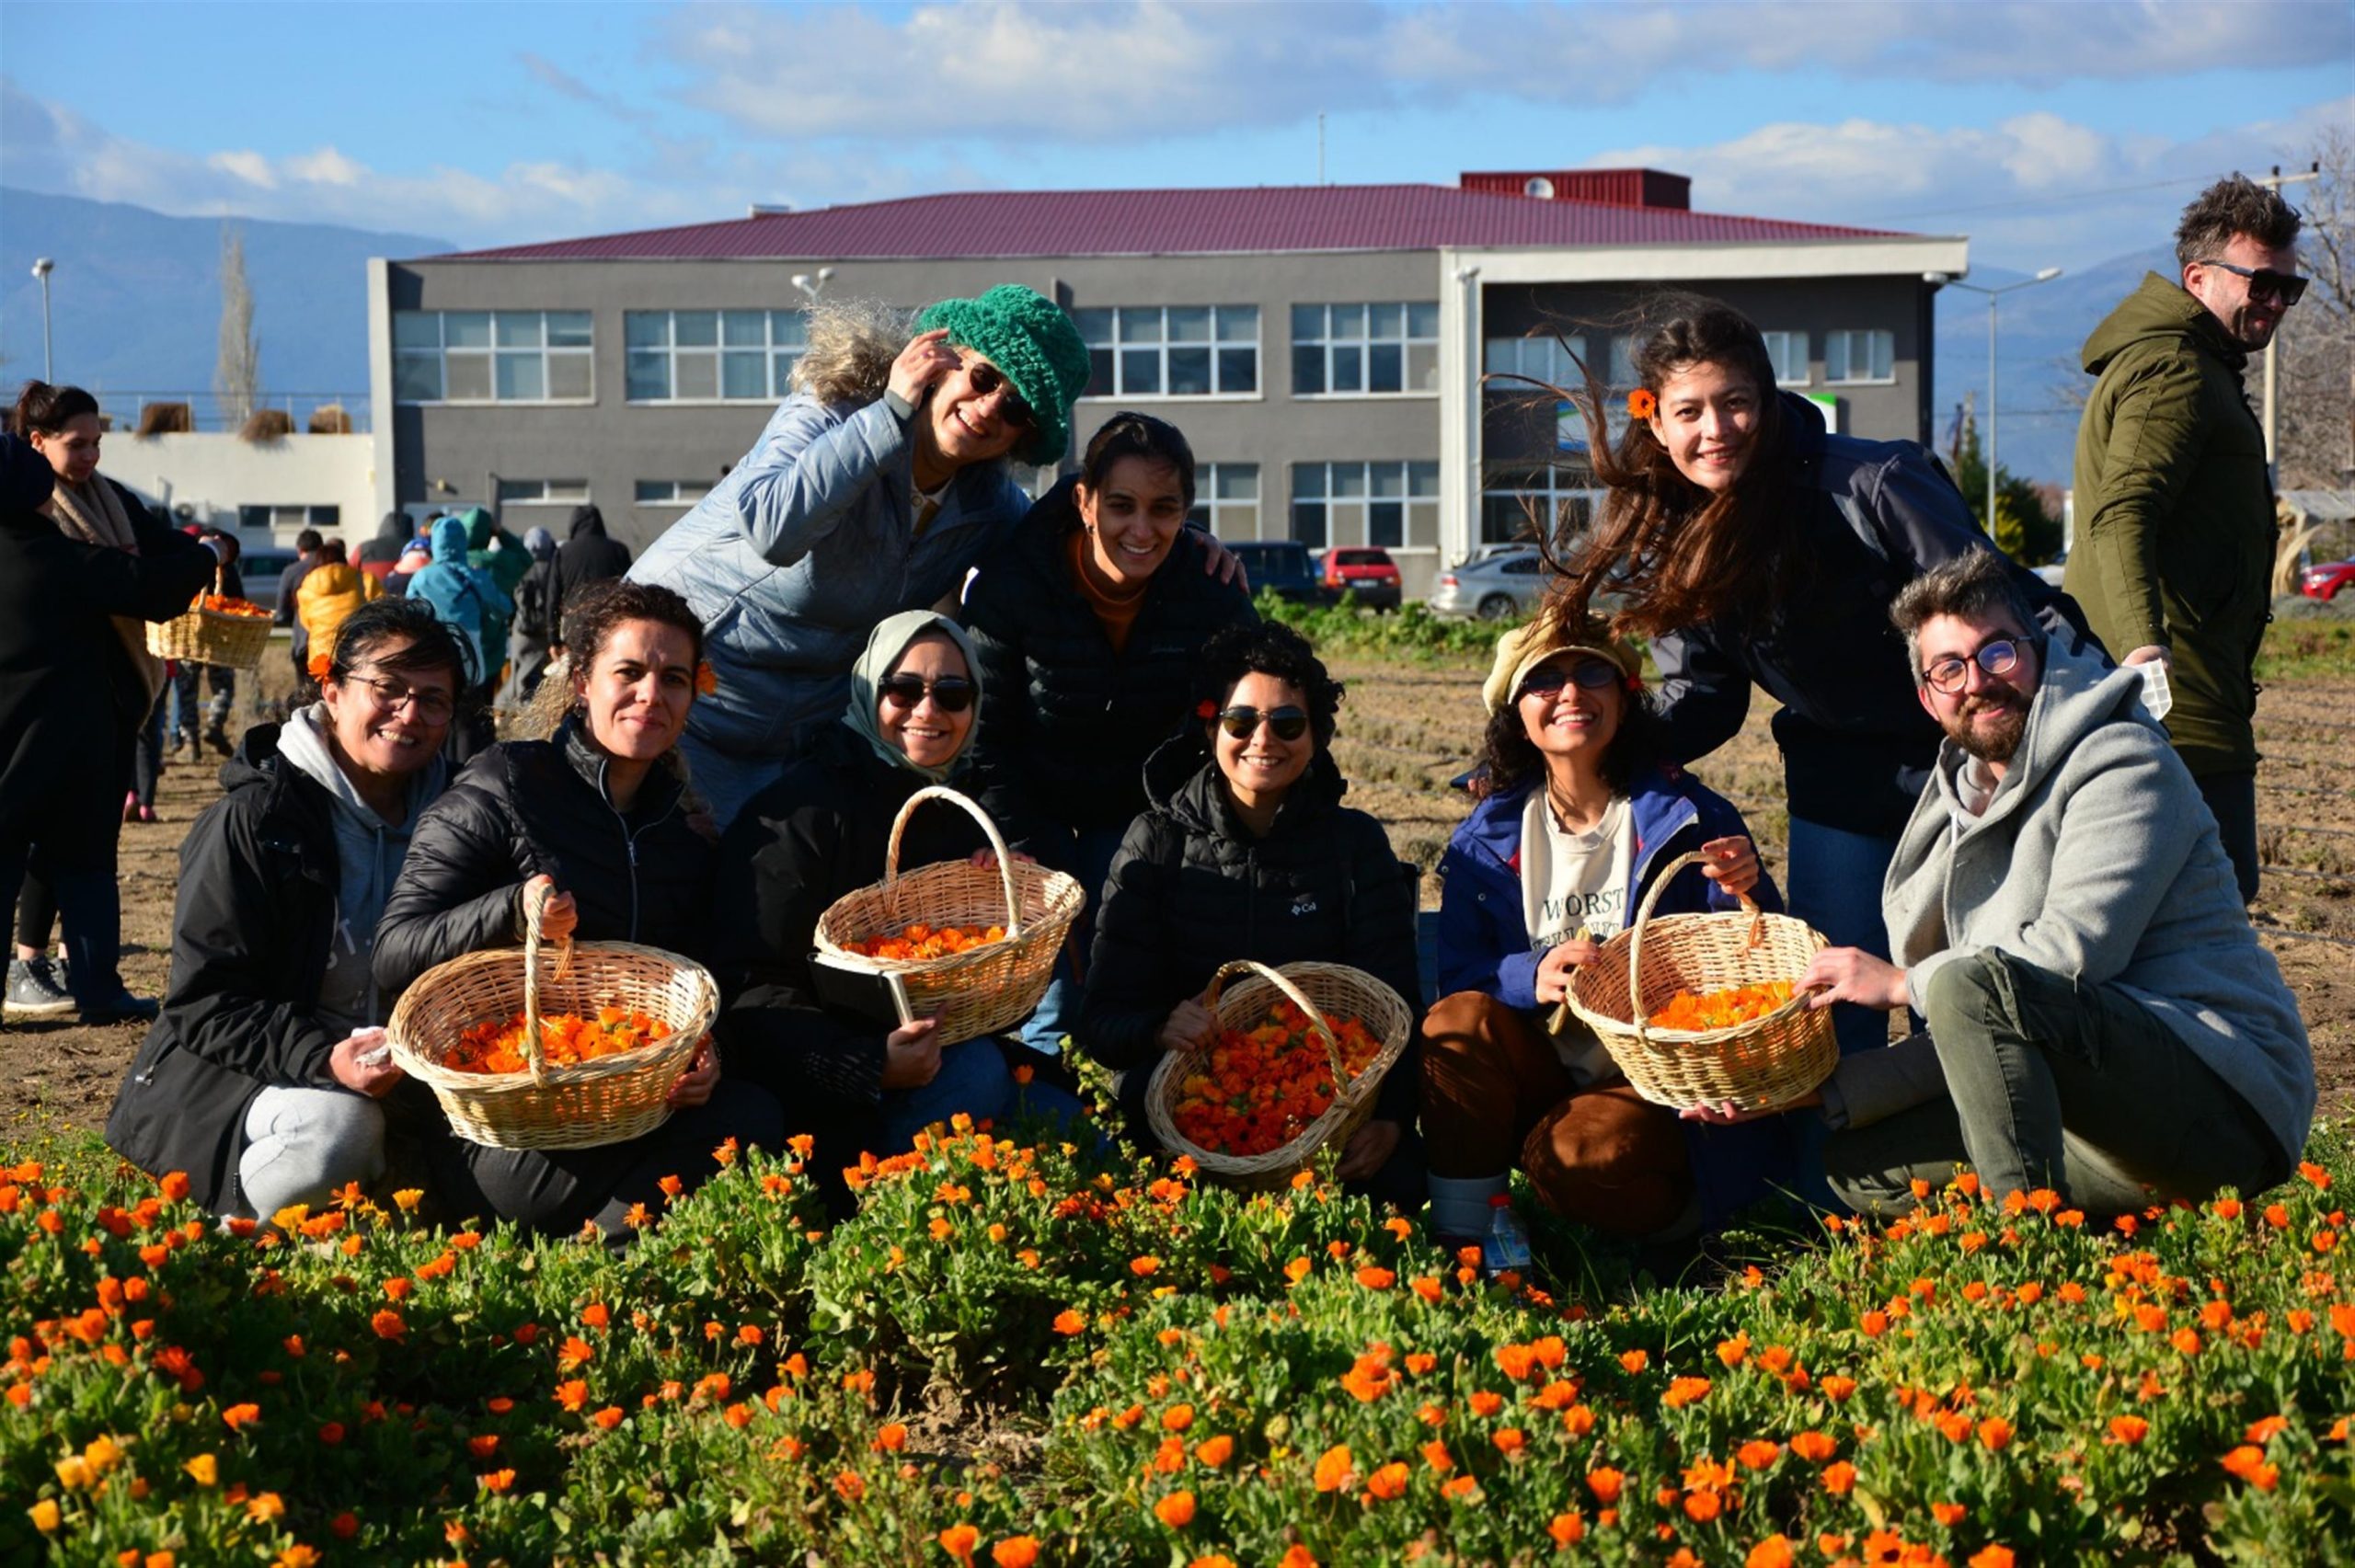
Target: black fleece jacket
x: 1192, y: 889
x: 587, y: 555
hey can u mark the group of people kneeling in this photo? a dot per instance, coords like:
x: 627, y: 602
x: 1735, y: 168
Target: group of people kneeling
x: 1993, y: 832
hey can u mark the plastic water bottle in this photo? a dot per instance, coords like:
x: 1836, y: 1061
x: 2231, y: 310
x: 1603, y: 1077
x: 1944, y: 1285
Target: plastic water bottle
x: 1507, y: 1244
x: 2158, y: 696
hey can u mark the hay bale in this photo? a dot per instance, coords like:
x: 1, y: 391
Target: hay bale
x: 267, y: 425
x: 165, y: 419
x: 329, y: 419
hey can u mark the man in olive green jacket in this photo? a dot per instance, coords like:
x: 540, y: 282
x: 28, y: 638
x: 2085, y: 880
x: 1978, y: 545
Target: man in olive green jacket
x: 2173, y: 556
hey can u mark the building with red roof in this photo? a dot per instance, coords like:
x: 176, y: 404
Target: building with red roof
x: 1353, y: 364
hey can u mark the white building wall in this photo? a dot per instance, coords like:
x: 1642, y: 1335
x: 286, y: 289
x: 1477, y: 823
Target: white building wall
x: 214, y: 473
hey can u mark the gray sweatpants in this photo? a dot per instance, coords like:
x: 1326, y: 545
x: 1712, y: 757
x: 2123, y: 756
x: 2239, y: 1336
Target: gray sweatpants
x: 302, y: 1144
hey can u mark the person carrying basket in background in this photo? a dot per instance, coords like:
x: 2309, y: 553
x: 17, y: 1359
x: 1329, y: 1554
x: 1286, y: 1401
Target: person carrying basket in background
x: 1245, y: 851
x: 1580, y: 813
x: 598, y: 821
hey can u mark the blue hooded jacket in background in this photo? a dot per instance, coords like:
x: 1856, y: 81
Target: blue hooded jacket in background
x: 464, y: 598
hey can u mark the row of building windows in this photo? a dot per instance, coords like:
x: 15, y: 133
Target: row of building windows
x: 1554, y: 360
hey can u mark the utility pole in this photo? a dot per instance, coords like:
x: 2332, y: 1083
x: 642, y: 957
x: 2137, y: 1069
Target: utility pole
x: 2275, y: 181
x: 1320, y: 146
x: 42, y: 268
x: 2044, y: 276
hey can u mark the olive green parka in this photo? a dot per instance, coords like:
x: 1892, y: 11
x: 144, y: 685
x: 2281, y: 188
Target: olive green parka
x: 2174, y: 514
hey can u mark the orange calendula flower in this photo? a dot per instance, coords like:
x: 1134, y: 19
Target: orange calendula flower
x: 1641, y: 404
x: 238, y: 1417
x: 1774, y: 1551
x: 1389, y: 1483
x: 1635, y: 1360
x: 959, y: 1540
x: 1016, y: 1552
x: 1215, y: 1451
x: 1839, y: 1478
x: 1177, y: 1510
x: 1991, y: 1557
x: 1605, y: 1485
x: 2128, y: 1429
x: 706, y: 681
x: 1333, y: 1468
x: 1682, y: 1391
x: 1070, y: 1322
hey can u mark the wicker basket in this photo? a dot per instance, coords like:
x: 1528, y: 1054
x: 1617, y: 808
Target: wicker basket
x: 607, y: 1100
x: 198, y: 635
x: 1322, y: 992
x: 986, y: 989
x: 1755, y: 1066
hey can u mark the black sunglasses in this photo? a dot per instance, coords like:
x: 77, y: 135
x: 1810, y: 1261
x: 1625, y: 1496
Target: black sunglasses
x: 985, y: 378
x: 1588, y: 674
x: 1288, y: 722
x: 1996, y: 657
x: 950, y: 693
x: 2286, y: 288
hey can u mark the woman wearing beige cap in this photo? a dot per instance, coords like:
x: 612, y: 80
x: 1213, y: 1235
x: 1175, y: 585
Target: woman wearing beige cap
x: 1578, y: 815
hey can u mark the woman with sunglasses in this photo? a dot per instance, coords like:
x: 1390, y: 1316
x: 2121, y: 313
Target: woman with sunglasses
x: 874, y: 488
x: 1246, y: 851
x: 1090, y: 624
x: 595, y: 824
x: 264, y: 1077
x: 820, y: 832
x: 1579, y: 815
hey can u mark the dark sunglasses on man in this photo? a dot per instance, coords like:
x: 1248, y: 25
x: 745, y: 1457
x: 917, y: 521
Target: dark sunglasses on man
x: 950, y: 693
x: 2284, y: 289
x: 1288, y: 723
x: 985, y: 378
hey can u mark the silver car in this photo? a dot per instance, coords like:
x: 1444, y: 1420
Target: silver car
x: 1494, y: 587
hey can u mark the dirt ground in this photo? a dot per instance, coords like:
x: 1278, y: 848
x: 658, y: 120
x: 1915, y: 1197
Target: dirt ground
x: 1405, y: 731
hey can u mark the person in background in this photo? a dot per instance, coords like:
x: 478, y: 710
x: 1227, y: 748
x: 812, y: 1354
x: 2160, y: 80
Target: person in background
x: 531, y: 636
x: 469, y: 602
x: 1089, y: 623
x: 379, y: 551
x: 62, y: 718
x: 309, y: 551
x: 416, y: 556
x: 587, y: 555
x: 2174, y: 561
x: 331, y: 591
x: 263, y: 1079
x: 493, y: 549
x: 597, y: 821
x: 220, y: 679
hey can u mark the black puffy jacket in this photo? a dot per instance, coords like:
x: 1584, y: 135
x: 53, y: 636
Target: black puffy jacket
x: 587, y: 555
x: 821, y: 830
x: 528, y: 806
x: 251, y: 928
x: 1066, y: 723
x: 1191, y: 890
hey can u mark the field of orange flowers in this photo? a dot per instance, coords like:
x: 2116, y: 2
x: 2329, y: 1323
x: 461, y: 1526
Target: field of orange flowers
x: 1023, y: 1354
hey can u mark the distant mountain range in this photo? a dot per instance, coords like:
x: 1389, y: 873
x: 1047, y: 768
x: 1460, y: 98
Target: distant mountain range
x: 136, y: 307
x: 135, y: 299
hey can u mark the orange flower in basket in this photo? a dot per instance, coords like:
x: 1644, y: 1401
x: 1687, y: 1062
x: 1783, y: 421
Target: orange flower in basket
x: 1722, y: 1009
x: 222, y: 604
x: 1259, y: 1089
x: 566, y: 1040
x: 919, y: 942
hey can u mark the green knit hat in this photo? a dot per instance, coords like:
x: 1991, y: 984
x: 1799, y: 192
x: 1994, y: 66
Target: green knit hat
x: 1025, y: 335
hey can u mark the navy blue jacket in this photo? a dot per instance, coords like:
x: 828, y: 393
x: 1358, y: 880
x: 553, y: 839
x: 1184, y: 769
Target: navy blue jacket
x: 1870, y: 516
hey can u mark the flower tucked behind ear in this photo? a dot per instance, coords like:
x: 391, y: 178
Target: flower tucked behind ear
x: 707, y: 683
x: 1206, y: 708
x: 1641, y: 404
x: 320, y: 665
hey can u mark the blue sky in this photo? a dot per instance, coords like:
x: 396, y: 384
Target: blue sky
x: 2058, y: 133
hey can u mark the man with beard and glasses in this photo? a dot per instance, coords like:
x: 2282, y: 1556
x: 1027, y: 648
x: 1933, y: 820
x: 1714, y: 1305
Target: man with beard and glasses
x: 2101, y: 1020
x: 2175, y: 557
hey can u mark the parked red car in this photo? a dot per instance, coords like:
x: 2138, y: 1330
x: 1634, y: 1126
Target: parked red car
x: 1365, y: 570
x: 2324, y: 581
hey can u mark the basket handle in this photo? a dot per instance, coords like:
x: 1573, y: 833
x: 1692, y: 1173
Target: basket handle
x: 534, y: 908
x: 1643, y: 918
x: 998, y: 844
x: 1292, y: 993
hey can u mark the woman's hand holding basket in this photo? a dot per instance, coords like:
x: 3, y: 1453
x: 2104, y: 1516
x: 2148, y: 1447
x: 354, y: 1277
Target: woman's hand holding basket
x: 1851, y: 974
x: 695, y: 1084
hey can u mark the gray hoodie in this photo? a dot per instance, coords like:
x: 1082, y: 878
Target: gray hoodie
x: 2095, y: 859
x: 368, y: 857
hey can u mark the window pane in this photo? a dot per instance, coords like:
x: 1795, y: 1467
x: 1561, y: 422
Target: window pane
x: 1386, y: 321
x: 695, y: 329
x: 1238, y: 370
x: 1307, y: 480
x: 1095, y: 325
x: 1422, y: 523
x: 1389, y: 480
x: 1235, y: 481
x: 1307, y: 369
x: 469, y: 378
x: 417, y: 329
x: 1884, y: 352
x: 646, y: 328
x: 518, y: 329
x: 649, y: 377
x: 1349, y: 481
x: 1383, y: 369
x: 1140, y: 370
x: 1140, y: 326
x: 1387, y: 524
x: 1348, y: 370
x: 521, y: 379
x: 1422, y: 367
x: 569, y: 375
x: 521, y: 489
x: 697, y: 375
x: 466, y: 329
x: 1422, y: 318
x: 652, y: 490
x: 1190, y: 373
x: 1308, y: 523
x: 1099, y: 374
x: 1422, y: 478
x: 1239, y: 522
x: 745, y: 328
x: 1238, y: 324
x: 783, y: 367
x: 416, y: 378
x: 1348, y: 321
x: 1189, y: 323
x: 1501, y: 356
x: 1307, y: 323
x: 568, y: 329
x: 743, y: 375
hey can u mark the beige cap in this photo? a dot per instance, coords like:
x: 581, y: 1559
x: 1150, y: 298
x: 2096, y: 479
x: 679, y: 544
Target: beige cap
x: 1523, y: 648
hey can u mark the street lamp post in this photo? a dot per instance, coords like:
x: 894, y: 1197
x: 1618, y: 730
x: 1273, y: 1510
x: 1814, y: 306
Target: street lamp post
x: 1993, y: 294
x: 809, y: 286
x: 42, y: 268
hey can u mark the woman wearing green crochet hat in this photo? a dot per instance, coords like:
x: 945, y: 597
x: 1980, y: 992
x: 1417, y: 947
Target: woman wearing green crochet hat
x: 874, y: 488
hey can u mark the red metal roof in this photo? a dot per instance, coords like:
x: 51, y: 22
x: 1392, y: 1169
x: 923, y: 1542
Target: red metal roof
x: 1007, y: 223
